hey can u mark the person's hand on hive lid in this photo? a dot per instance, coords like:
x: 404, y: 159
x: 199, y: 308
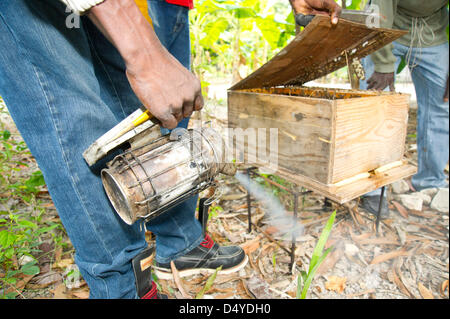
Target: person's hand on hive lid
x: 314, y: 7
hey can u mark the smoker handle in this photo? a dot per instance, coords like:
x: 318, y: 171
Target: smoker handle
x: 303, y: 19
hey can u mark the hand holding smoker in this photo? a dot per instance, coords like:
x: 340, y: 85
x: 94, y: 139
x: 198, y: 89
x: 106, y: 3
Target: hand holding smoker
x: 155, y: 173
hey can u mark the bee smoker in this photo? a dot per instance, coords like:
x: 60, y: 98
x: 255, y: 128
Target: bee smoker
x: 154, y: 172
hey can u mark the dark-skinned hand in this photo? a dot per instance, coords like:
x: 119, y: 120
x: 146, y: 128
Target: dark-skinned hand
x: 314, y: 7
x: 379, y: 81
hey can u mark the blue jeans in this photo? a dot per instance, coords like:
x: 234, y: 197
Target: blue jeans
x: 429, y: 71
x: 64, y: 88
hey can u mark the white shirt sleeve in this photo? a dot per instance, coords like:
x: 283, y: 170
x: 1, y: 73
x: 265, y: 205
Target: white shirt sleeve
x: 80, y: 6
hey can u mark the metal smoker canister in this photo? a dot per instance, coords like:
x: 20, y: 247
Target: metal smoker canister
x: 147, y: 181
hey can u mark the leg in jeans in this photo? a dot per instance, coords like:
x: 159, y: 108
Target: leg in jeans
x: 430, y: 78
x: 369, y: 69
x: 58, y: 100
x: 171, y: 24
x: 64, y: 89
x: 429, y: 70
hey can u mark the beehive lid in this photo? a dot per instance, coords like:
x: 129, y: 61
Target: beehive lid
x: 321, y: 48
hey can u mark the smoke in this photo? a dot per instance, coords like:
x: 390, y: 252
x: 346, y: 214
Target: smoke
x: 277, y: 215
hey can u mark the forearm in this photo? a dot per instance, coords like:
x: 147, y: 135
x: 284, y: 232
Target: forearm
x: 127, y: 29
x: 163, y: 85
x: 384, y: 59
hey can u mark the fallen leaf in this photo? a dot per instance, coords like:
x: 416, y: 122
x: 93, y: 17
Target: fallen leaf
x: 21, y: 283
x: 444, y: 286
x: 330, y: 261
x: 58, y: 254
x: 176, y: 278
x: 259, y: 288
x: 390, y: 255
x: 239, y: 207
x: 406, y: 282
x: 59, y: 292
x: 336, y: 283
x: 421, y: 214
x: 411, y: 187
x: 393, y: 277
x: 225, y: 295
x: 368, y: 291
x: 63, y: 263
x: 401, y: 234
x: 402, y: 210
x: 379, y: 241
x: 233, y: 196
x: 44, y: 280
x: 251, y: 245
x: 361, y: 237
x: 244, y: 291
x: 81, y: 294
x: 424, y: 292
x: 271, y: 230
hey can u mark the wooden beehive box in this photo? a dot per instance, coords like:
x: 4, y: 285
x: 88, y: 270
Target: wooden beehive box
x: 326, y: 137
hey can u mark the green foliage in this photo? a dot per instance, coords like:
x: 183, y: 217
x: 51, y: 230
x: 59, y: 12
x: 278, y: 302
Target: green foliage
x: 355, y: 4
x: 21, y: 230
x: 236, y: 37
x: 229, y: 33
x: 214, y: 211
x: 305, y: 278
x: 17, y: 239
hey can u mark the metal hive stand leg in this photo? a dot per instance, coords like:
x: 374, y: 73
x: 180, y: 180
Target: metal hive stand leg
x: 294, y: 222
x: 380, y: 205
x: 249, y: 207
x: 295, y: 215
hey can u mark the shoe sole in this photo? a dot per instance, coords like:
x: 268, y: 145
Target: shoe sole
x: 161, y: 273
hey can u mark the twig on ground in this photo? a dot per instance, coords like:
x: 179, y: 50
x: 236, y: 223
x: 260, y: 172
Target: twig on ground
x: 176, y: 278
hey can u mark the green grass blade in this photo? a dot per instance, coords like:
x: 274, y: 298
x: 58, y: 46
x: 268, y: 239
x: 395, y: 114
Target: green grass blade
x: 301, y: 278
x: 208, y: 284
x: 317, y: 253
x: 312, y: 272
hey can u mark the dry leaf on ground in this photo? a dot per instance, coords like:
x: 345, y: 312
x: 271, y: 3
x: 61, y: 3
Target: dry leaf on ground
x: 20, y: 284
x: 63, y: 263
x: 402, y: 210
x: 424, y: 292
x: 59, y: 292
x: 444, y: 287
x: 44, y: 280
x: 251, y: 245
x: 177, y: 280
x: 390, y: 255
x: 336, y: 283
x: 259, y: 288
x: 330, y: 261
x: 82, y: 293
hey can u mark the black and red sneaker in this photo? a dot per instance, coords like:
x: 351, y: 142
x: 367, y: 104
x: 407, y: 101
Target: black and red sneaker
x: 153, y: 293
x: 205, y: 258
